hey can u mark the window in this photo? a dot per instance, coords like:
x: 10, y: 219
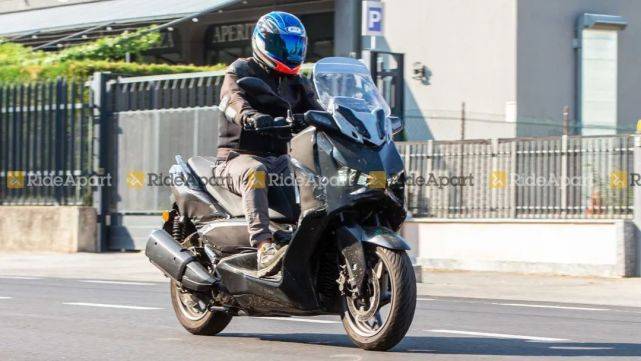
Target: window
x: 597, y: 57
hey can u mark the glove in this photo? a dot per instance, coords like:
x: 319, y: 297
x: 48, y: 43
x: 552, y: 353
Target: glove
x: 299, y: 122
x: 258, y: 121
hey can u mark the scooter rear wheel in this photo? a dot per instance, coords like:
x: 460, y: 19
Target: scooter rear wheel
x: 192, y: 313
x: 380, y: 318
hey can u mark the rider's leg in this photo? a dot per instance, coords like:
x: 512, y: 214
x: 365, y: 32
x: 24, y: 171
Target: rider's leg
x: 247, y: 176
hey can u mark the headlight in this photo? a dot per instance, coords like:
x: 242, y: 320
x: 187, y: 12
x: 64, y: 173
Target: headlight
x: 348, y: 177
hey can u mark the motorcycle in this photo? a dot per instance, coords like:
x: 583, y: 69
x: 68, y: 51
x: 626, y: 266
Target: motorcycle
x: 339, y: 216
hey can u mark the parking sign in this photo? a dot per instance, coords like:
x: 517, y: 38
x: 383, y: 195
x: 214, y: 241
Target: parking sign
x: 373, y: 18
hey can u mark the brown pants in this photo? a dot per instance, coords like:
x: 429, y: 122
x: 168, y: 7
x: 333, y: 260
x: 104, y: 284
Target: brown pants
x: 247, y: 176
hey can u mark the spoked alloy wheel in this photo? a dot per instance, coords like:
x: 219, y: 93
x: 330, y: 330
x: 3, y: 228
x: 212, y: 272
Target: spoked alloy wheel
x: 193, y: 314
x: 191, y: 306
x: 380, y: 318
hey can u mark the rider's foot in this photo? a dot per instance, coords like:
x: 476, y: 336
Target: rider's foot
x: 270, y: 256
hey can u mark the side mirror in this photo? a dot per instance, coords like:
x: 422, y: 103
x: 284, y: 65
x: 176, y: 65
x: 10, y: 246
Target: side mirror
x: 398, y: 124
x: 320, y: 119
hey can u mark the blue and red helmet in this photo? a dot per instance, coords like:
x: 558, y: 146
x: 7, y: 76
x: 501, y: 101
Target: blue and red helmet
x: 279, y: 41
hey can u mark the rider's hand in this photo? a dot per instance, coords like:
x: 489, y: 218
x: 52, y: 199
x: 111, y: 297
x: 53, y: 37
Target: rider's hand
x: 259, y: 121
x: 299, y: 122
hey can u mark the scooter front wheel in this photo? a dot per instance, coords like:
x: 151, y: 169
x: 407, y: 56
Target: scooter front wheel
x: 380, y: 318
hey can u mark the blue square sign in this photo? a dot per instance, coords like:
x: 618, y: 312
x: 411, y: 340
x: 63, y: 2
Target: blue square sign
x: 373, y: 18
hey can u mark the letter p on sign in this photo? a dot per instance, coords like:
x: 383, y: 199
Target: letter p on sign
x: 372, y: 18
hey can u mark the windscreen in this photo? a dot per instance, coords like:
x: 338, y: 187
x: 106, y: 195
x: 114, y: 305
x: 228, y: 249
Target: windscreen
x: 345, y: 88
x: 348, y: 81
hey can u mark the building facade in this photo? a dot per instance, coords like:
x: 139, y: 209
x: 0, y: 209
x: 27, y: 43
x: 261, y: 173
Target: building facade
x: 469, y: 69
x: 516, y: 64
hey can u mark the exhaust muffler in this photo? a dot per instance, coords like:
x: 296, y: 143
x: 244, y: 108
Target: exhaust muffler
x: 176, y: 262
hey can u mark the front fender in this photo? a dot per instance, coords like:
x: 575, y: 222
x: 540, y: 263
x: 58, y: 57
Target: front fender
x: 385, y: 238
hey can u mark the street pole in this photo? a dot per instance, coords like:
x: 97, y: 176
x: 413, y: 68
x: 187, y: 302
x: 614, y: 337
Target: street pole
x: 637, y: 195
x: 101, y: 150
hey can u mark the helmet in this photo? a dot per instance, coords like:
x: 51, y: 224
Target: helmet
x: 279, y: 42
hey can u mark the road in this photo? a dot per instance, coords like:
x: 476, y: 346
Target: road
x: 67, y: 319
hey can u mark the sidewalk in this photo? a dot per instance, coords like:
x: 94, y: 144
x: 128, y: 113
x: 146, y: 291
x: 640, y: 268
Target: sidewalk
x: 489, y: 285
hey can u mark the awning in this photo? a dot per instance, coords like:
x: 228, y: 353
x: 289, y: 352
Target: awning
x: 86, y: 15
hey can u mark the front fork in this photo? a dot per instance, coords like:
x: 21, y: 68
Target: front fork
x: 350, y: 237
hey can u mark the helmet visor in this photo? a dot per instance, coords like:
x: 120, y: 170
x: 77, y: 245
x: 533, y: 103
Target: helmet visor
x: 286, y: 48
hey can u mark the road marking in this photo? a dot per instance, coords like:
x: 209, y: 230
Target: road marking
x: 347, y: 356
x: 501, y: 335
x: 580, y: 348
x: 296, y: 319
x: 426, y: 299
x: 552, y: 306
x: 19, y: 278
x: 5, y: 298
x: 110, y: 306
x: 118, y: 283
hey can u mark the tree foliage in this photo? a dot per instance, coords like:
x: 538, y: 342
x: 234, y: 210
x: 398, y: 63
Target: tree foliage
x: 19, y: 64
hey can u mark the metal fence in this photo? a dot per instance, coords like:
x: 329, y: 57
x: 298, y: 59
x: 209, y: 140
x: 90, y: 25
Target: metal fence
x: 165, y: 91
x: 47, y: 129
x: 189, y: 90
x: 557, y: 177
x: 45, y: 144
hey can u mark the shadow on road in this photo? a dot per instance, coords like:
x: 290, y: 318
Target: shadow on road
x: 465, y: 345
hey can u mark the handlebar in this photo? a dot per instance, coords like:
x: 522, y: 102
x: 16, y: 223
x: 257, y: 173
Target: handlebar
x: 274, y: 127
x: 290, y: 120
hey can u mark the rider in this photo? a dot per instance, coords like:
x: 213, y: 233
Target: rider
x: 246, y: 157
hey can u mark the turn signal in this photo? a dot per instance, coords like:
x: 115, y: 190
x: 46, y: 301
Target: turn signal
x: 165, y: 216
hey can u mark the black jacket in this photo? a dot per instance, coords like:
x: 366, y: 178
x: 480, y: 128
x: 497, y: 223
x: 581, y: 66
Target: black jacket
x: 238, y: 107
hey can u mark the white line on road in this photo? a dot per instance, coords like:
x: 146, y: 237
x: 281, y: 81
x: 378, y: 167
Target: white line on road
x: 552, y: 306
x: 426, y: 299
x: 118, y: 283
x: 5, y: 298
x: 296, y: 319
x: 19, y: 278
x: 580, y: 348
x: 501, y: 335
x: 110, y: 306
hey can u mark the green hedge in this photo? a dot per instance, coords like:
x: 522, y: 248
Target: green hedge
x: 82, y: 70
x: 19, y: 64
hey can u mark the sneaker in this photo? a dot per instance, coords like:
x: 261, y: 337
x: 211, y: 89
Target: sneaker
x: 269, y: 259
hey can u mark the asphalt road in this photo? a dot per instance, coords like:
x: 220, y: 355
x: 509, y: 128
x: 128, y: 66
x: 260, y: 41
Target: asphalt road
x: 65, y: 319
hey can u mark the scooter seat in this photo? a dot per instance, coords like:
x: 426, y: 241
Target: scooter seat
x: 282, y: 204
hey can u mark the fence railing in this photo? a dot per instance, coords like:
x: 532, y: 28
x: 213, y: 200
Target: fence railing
x: 45, y: 144
x: 166, y: 91
x: 558, y: 177
x: 173, y: 91
x: 46, y: 138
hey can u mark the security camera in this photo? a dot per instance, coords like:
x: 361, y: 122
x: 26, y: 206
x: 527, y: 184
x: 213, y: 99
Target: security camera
x: 421, y: 72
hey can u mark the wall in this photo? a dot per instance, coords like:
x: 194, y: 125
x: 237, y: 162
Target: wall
x: 469, y: 46
x: 546, y: 61
x: 604, y: 248
x: 48, y: 229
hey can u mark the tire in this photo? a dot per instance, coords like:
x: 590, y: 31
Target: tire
x: 402, y: 305
x: 210, y: 323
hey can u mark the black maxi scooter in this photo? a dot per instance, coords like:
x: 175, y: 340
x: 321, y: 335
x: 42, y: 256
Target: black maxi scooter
x: 339, y: 216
